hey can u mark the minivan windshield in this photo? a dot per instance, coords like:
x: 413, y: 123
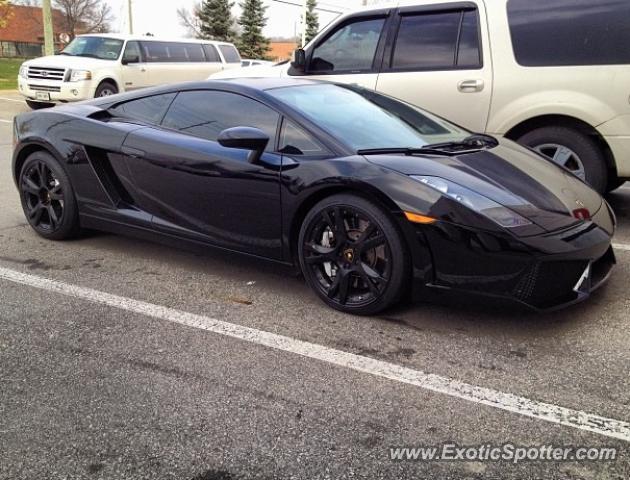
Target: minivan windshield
x: 94, y: 47
x: 365, y: 119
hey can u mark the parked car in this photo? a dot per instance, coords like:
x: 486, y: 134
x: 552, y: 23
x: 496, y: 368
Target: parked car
x: 371, y: 197
x: 552, y: 74
x: 246, y: 62
x: 101, y: 65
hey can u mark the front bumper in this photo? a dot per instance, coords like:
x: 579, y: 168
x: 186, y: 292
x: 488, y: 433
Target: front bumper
x: 53, y: 91
x: 545, y: 272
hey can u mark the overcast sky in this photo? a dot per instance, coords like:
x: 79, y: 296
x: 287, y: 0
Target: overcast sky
x: 160, y: 16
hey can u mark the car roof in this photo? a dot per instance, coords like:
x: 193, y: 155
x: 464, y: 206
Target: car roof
x: 150, y: 38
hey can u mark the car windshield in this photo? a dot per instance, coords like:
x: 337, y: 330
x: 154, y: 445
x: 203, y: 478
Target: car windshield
x: 367, y: 120
x: 94, y: 47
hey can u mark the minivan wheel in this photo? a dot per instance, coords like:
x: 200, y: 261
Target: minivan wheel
x: 352, y: 255
x: 573, y: 150
x: 33, y: 105
x: 106, y: 89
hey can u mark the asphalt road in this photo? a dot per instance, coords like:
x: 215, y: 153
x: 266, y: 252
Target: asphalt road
x: 95, y: 386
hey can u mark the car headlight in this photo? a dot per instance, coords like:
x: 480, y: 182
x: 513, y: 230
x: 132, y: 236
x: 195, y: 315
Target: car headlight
x: 23, y: 71
x: 489, y: 208
x: 79, y: 75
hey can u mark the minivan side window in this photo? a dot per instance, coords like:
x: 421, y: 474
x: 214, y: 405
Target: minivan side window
x: 350, y: 48
x: 570, y: 32
x: 437, y: 41
x: 148, y: 109
x: 230, y: 53
x: 206, y: 113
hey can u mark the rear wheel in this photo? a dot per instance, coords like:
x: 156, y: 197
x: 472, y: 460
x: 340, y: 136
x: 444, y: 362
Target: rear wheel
x: 573, y: 150
x: 33, y: 105
x: 48, y: 198
x: 352, y: 255
x: 106, y: 89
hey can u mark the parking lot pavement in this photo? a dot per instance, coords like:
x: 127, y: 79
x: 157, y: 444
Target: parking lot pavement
x: 104, y: 387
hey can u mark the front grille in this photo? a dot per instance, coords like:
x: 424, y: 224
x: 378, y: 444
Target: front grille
x: 42, y: 73
x: 44, y: 88
x: 550, y: 282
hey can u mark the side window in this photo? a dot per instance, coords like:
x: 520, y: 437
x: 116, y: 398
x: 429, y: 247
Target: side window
x: 206, y: 113
x: 155, y: 51
x: 295, y: 141
x: 194, y: 52
x: 230, y: 53
x: 132, y: 52
x: 350, y: 48
x: 147, y: 109
x: 176, y: 52
x: 212, y: 55
x: 434, y: 41
x: 560, y: 33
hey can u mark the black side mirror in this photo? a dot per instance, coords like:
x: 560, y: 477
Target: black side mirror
x: 245, y: 138
x: 130, y: 59
x: 299, y: 59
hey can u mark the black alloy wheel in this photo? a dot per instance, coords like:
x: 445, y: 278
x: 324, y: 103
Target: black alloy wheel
x: 47, y: 198
x: 352, y: 255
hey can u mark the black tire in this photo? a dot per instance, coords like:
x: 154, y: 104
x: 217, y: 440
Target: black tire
x: 47, y: 198
x: 33, y: 105
x: 614, y: 184
x: 105, y: 89
x: 359, y: 266
x: 586, y: 148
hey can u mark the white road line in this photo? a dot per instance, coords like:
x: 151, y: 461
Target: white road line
x: 11, y: 100
x: 621, y: 246
x: 5, y: 121
x: 607, y: 427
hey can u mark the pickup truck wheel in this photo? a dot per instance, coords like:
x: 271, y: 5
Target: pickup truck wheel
x: 572, y: 150
x: 106, y: 89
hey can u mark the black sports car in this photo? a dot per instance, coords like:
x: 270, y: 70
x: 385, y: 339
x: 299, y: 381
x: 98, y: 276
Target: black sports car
x: 371, y: 197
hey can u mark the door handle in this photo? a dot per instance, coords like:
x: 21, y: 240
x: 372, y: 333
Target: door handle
x: 470, y: 86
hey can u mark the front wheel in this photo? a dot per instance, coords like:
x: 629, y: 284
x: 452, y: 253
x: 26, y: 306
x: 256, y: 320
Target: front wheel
x: 105, y: 89
x: 48, y: 198
x: 352, y: 255
x: 572, y: 150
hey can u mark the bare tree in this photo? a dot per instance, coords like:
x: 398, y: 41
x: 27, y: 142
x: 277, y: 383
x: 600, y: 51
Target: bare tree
x: 84, y: 16
x: 190, y: 20
x: 5, y: 13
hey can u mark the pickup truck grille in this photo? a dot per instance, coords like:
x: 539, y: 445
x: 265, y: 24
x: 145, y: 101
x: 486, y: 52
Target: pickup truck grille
x: 41, y: 73
x: 44, y: 88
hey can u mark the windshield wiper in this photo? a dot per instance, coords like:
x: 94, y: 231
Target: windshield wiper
x: 474, y: 141
x: 90, y: 55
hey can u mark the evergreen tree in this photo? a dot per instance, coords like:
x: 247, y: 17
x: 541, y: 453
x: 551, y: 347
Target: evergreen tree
x: 312, y: 20
x: 252, y: 43
x: 215, y: 20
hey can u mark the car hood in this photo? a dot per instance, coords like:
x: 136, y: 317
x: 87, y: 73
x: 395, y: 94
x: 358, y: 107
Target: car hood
x: 549, y: 193
x: 66, y: 61
x: 257, y: 71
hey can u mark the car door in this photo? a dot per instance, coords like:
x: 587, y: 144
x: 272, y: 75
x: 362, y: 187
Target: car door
x: 352, y: 51
x: 213, y: 63
x: 134, y: 69
x: 437, y: 58
x: 196, y: 188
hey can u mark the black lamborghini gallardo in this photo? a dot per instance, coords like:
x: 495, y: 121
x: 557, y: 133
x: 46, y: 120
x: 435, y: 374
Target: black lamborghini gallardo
x: 372, y: 198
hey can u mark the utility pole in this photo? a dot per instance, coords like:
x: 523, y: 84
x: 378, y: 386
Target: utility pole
x: 304, y: 10
x: 49, y: 41
x: 130, y: 16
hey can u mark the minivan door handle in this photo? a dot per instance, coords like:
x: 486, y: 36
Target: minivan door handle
x: 470, y: 86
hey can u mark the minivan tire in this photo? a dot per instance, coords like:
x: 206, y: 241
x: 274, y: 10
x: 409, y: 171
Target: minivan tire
x: 105, y: 89
x: 586, y: 148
